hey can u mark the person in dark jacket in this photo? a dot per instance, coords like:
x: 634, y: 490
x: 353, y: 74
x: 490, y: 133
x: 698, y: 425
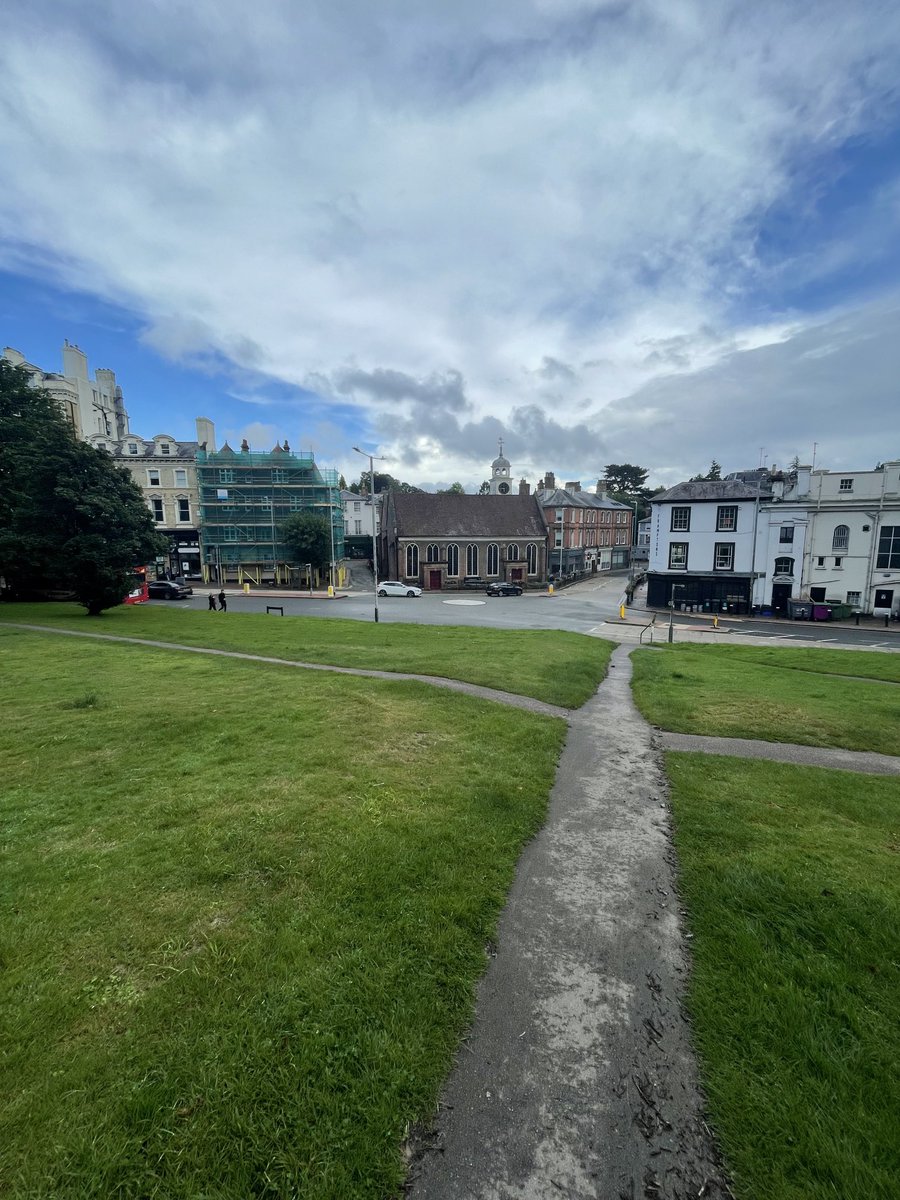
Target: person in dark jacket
x: 212, y: 602
x: 223, y: 605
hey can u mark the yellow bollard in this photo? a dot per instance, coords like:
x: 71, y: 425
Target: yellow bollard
x: 621, y: 612
x: 331, y: 591
x: 550, y: 589
x: 246, y: 589
x: 715, y: 622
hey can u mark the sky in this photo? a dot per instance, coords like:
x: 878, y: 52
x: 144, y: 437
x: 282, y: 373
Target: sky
x: 650, y: 231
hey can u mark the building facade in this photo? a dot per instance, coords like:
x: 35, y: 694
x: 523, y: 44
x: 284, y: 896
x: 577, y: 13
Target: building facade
x: 165, y: 470
x: 435, y: 541
x: 246, y: 495
x: 358, y: 511
x: 588, y: 531
x: 94, y: 407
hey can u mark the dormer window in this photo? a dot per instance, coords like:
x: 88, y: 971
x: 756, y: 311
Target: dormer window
x: 846, y: 485
x: 165, y: 448
x: 132, y: 447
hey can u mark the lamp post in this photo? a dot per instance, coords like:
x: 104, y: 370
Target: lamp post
x: 371, y: 458
x: 675, y: 587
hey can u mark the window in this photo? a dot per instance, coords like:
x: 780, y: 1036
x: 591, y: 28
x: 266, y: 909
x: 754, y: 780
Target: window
x: 678, y: 555
x: 357, y: 527
x: 620, y: 537
x: 153, y: 478
x: 512, y: 552
x: 786, y: 536
x: 165, y: 448
x: 591, y: 515
x: 265, y: 502
x: 453, y: 559
x: 620, y: 518
x: 723, y: 559
x: 226, y: 475
x: 132, y: 448
x: 184, y: 509
x: 531, y: 558
x: 840, y: 541
x: 820, y: 561
x: 231, y: 533
x: 784, y: 566
x: 493, y: 559
x: 681, y: 520
x: 838, y: 561
x: 279, y: 475
x: 846, y: 485
x: 180, y: 477
x: 888, y: 557
x: 726, y: 518
x: 295, y: 504
x: 433, y: 553
x: 558, y: 538
x: 854, y: 597
x: 471, y: 559
x: 156, y: 507
x: 412, y: 561
x: 559, y: 516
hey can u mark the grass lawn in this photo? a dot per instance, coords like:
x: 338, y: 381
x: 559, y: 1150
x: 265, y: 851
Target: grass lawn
x: 725, y: 692
x: 242, y: 910
x: 790, y: 878
x: 560, y: 668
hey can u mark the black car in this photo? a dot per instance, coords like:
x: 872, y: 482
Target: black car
x: 475, y: 582
x: 503, y: 589
x: 165, y: 589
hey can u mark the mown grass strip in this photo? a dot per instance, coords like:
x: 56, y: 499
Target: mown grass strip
x: 791, y: 882
x: 242, y: 912
x: 552, y: 665
x: 711, y: 690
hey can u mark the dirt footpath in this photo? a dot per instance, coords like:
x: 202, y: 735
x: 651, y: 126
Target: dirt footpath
x: 578, y: 1079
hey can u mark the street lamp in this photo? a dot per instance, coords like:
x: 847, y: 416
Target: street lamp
x: 371, y: 458
x: 675, y: 587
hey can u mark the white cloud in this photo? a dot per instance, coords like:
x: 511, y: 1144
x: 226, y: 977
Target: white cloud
x: 453, y: 216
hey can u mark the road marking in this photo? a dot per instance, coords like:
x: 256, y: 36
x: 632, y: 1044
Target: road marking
x: 464, y: 602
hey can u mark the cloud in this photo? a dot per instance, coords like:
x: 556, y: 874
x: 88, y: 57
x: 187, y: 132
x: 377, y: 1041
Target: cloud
x: 540, y: 220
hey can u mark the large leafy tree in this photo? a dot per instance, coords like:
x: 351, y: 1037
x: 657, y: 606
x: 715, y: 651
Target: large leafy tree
x: 383, y: 483
x: 307, y: 538
x: 69, y: 517
x: 714, y: 473
x: 627, y: 479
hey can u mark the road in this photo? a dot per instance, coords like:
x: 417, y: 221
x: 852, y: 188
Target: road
x: 591, y: 607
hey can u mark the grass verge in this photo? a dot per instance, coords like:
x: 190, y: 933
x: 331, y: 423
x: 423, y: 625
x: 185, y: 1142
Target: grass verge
x: 791, y: 883
x: 243, y: 911
x: 713, y: 690
x: 550, y: 665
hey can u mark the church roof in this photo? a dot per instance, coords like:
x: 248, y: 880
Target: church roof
x: 458, y: 515
x: 500, y: 463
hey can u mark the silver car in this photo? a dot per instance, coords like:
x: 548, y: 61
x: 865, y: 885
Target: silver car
x: 393, y: 587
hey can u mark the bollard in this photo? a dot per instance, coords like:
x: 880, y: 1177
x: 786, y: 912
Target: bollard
x: 621, y: 612
x: 331, y: 591
x: 246, y: 589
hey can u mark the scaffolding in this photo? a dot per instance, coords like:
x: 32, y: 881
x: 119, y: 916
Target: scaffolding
x: 245, y: 496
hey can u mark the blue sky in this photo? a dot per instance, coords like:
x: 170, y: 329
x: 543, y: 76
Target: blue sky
x: 655, y: 231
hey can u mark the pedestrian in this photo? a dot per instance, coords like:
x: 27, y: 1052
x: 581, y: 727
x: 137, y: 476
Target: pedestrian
x: 212, y: 602
x: 223, y: 606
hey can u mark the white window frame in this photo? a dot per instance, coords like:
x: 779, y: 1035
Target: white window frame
x: 180, y: 476
x: 680, y: 512
x: 723, y: 556
x: 158, y: 509
x: 151, y: 482
x: 453, y: 560
x: 531, y: 557
x: 471, y: 559
x: 182, y: 503
x: 724, y: 514
x: 493, y: 559
x: 676, y: 565
x: 412, y: 561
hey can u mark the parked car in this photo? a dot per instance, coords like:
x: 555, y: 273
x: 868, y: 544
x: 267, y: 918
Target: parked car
x: 476, y: 582
x: 503, y: 589
x: 393, y: 587
x: 165, y: 589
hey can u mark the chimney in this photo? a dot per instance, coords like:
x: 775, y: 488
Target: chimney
x: 524, y: 487
x: 549, y: 481
x: 803, y: 480
x: 602, y: 485
x: 245, y: 446
x: 206, y: 434
x: 574, y: 486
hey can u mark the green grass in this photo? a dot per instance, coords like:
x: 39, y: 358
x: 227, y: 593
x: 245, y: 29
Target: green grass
x: 868, y: 664
x: 242, y: 912
x: 791, y: 879
x: 723, y: 692
x: 550, y: 665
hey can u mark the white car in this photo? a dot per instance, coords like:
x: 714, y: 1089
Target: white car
x: 393, y: 587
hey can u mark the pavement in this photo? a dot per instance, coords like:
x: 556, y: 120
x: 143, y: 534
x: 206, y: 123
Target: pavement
x: 578, y: 1077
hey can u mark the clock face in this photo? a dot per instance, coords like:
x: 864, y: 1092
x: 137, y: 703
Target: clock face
x: 503, y: 488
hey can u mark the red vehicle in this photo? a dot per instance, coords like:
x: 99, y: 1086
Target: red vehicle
x: 139, y: 593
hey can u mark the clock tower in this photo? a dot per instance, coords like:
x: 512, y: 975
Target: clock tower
x: 500, y: 482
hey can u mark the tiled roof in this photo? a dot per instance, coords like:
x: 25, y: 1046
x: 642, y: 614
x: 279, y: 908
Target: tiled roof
x: 561, y: 497
x: 708, y: 489
x: 452, y: 514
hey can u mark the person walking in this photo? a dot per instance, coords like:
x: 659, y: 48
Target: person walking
x: 212, y: 602
x: 223, y: 604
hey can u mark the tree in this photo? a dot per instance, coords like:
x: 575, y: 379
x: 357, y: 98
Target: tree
x: 383, y: 483
x: 485, y: 489
x: 795, y: 463
x: 455, y: 489
x: 69, y: 517
x: 714, y: 472
x: 342, y: 483
x: 627, y: 479
x: 308, y: 538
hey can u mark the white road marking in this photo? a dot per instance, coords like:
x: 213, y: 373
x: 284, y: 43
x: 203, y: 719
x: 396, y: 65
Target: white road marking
x: 464, y: 602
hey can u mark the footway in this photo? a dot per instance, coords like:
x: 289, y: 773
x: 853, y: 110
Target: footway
x: 865, y: 761
x: 578, y: 1079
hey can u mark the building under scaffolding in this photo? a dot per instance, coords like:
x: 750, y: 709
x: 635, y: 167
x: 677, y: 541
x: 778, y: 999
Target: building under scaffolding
x: 245, y: 496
